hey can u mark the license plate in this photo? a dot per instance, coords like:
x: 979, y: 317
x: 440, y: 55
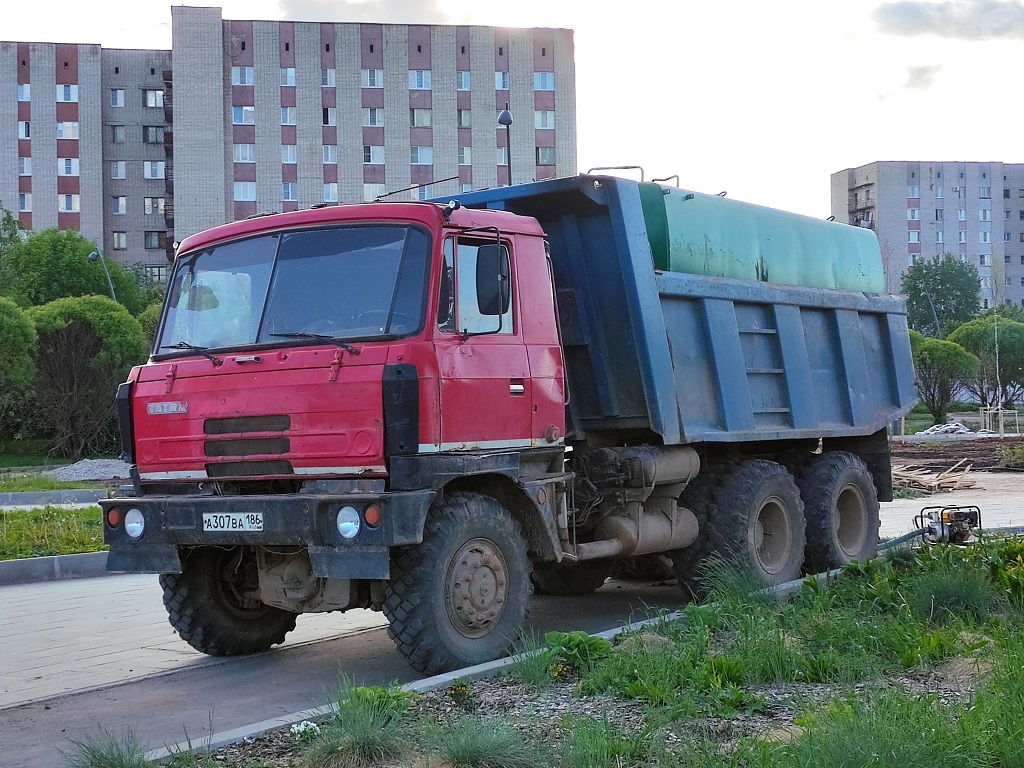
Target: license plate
x: 233, y: 521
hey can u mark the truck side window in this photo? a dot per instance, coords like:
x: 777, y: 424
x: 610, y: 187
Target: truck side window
x: 483, y: 289
x: 446, y: 294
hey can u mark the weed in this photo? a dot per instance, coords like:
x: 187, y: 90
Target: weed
x: 590, y: 742
x: 474, y: 742
x: 305, y: 732
x: 1010, y: 456
x: 946, y: 594
x: 579, y: 649
x: 535, y: 662
x: 106, y: 749
x: 907, y: 493
x: 459, y: 693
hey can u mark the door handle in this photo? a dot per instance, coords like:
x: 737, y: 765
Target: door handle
x: 517, y: 387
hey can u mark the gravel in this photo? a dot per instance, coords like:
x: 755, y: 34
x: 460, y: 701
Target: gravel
x: 91, y: 469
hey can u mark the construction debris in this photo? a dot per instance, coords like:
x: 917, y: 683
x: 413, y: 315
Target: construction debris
x: 923, y: 479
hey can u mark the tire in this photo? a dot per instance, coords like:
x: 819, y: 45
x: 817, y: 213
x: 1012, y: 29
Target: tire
x: 572, y: 580
x: 461, y: 596
x: 205, y: 605
x: 688, y: 563
x: 841, y: 507
x: 758, y: 521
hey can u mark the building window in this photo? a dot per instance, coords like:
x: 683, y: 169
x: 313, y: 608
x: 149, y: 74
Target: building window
x: 1006, y: 237
x: 419, y: 118
x: 938, y: 192
x: 961, y: 192
x: 938, y: 214
x: 465, y: 156
x: 67, y: 130
x: 289, y: 154
x: 543, y: 81
x: 1006, y: 258
x: 327, y: 78
x: 67, y: 166
x: 244, y: 153
x: 117, y: 169
x: 25, y: 202
x: 1006, y: 215
x: 985, y: 193
x: 67, y: 94
x: 117, y: 97
x: 545, y: 155
x: 502, y: 155
x: 153, y: 169
x: 331, y: 192
x: 501, y: 81
x: 372, y: 191
x: 157, y: 274
x: 68, y: 203
x: 465, y: 118
x: 984, y: 237
x: 118, y: 134
x: 330, y: 116
x: 938, y: 236
x: 425, y: 192
x: 913, y: 191
x: 961, y: 214
x: 245, y: 191
x: 288, y: 116
x: 373, y: 155
x: 155, y: 240
x: 241, y: 75
x: 287, y: 76
x: 913, y: 214
x: 24, y: 92
x: 152, y: 134
x: 373, y: 78
x: 374, y: 116
x: 984, y: 214
x: 421, y: 155
x: 983, y: 259
x: 419, y: 79
x: 466, y: 188
x: 24, y: 166
x: 24, y: 129
x: 244, y: 115
x: 152, y: 98
x: 544, y: 118
x: 119, y: 205
x: 462, y: 80
x: 120, y: 241
x: 984, y: 303
x: 914, y: 236
x: 153, y: 205
x: 330, y: 154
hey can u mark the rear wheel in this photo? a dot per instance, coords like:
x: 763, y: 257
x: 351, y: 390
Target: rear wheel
x: 461, y: 596
x: 688, y: 563
x: 841, y: 506
x: 758, y: 521
x: 572, y: 580
x: 211, y: 604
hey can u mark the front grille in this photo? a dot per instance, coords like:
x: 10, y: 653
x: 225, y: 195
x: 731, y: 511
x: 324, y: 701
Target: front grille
x: 249, y: 468
x: 247, y: 446
x: 236, y: 424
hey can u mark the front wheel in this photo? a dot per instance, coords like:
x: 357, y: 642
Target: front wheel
x: 758, y: 521
x: 461, y: 596
x: 212, y: 606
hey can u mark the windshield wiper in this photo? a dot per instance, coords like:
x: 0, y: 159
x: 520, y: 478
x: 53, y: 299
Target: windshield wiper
x: 322, y: 337
x: 193, y: 348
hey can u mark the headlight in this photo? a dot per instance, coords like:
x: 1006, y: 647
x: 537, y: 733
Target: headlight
x: 134, y: 523
x: 348, y: 522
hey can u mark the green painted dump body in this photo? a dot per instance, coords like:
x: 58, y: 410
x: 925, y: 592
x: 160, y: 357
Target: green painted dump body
x: 710, y: 235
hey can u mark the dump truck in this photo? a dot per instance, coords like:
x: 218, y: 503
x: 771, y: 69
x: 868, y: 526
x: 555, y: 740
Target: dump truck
x: 435, y: 408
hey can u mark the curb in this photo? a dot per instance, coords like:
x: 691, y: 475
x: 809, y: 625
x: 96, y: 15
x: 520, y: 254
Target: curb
x: 83, y: 496
x: 32, y: 570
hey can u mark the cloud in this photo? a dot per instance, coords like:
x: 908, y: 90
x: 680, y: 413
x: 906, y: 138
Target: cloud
x: 922, y: 77
x: 956, y: 19
x: 366, y: 11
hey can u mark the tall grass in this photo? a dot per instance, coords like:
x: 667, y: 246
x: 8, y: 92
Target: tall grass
x: 50, y: 531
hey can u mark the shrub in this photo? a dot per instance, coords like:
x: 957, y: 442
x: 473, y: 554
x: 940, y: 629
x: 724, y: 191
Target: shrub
x: 17, y: 366
x: 149, y: 318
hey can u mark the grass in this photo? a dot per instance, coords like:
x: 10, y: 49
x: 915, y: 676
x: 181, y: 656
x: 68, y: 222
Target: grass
x: 19, y: 483
x: 477, y: 742
x: 106, y: 749
x: 50, y: 531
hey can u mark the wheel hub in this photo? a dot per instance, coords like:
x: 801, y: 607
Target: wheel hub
x: 477, y: 587
x: 772, y: 535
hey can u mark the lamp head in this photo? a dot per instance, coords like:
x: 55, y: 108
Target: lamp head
x: 94, y: 256
x: 505, y: 118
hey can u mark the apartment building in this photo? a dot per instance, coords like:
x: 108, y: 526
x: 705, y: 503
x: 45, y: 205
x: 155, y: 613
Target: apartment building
x: 973, y: 210
x: 138, y: 149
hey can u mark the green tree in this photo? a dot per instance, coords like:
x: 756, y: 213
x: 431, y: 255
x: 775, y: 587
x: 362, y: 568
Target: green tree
x: 17, y: 366
x: 942, y: 368
x: 86, y: 347
x: 941, y: 294
x: 989, y: 339
x: 55, y: 264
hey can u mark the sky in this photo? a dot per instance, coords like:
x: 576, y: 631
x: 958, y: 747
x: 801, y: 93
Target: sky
x: 762, y: 100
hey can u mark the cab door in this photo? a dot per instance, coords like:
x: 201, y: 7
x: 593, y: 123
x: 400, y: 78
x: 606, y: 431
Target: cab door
x: 485, y: 390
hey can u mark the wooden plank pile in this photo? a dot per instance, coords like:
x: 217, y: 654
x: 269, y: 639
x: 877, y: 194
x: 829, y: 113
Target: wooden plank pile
x: 923, y: 479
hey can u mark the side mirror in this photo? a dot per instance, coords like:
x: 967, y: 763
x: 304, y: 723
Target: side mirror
x: 492, y: 280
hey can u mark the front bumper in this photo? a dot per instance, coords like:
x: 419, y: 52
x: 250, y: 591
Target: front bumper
x: 289, y: 520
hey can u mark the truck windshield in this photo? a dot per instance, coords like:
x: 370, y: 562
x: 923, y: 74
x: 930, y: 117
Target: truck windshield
x: 344, y: 283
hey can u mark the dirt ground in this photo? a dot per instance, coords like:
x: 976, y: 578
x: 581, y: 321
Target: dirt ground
x: 942, y: 452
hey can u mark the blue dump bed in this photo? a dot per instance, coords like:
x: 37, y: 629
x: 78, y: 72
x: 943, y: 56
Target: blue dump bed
x: 687, y: 358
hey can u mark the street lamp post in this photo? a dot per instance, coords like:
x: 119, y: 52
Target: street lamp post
x: 505, y: 118
x: 97, y: 255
